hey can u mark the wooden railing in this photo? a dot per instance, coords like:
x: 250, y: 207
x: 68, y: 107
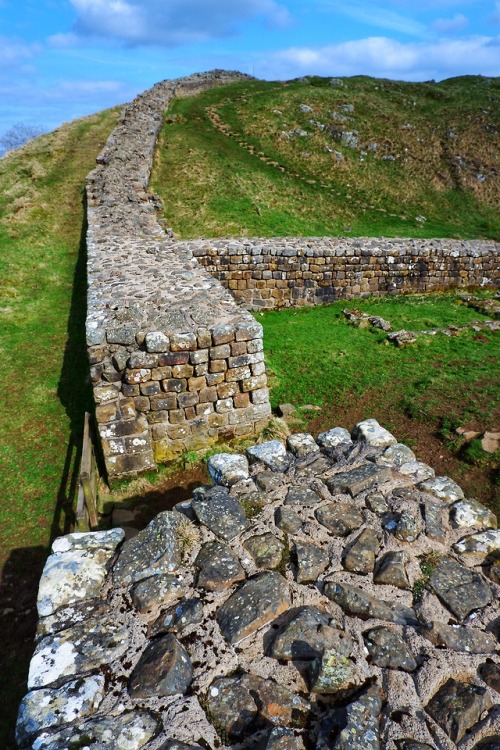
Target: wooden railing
x: 86, y: 507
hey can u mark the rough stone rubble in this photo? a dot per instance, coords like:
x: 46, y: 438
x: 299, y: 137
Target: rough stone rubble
x: 327, y: 594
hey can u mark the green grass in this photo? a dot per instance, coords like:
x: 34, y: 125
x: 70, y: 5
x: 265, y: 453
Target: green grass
x: 44, y: 368
x: 344, y: 361
x: 442, y: 138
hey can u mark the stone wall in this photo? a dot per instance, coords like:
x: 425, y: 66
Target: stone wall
x: 355, y: 608
x: 175, y: 363
x: 286, y: 272
x: 176, y: 360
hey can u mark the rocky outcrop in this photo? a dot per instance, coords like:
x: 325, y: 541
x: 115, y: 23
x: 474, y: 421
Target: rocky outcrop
x: 355, y: 610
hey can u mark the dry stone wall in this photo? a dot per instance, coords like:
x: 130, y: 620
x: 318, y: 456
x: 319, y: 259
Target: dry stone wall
x: 328, y: 594
x: 175, y: 363
x: 176, y: 360
x: 264, y: 274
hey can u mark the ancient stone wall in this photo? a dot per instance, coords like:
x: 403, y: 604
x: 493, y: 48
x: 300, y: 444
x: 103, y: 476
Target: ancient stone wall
x: 330, y: 594
x: 287, y: 272
x: 175, y: 363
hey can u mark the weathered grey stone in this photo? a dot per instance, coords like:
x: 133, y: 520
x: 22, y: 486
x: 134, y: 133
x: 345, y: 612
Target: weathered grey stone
x: 176, y: 745
x: 268, y: 481
x: 490, y: 673
x: 360, y: 556
x: 219, y: 568
x: 339, y: 436
x: 163, y: 669
x: 266, y: 550
x: 372, y: 433
x: 470, y: 513
x: 303, y: 496
x: 483, y: 543
x: 77, y: 650
x: 287, y: 520
x: 355, y: 727
x: 72, y: 576
x: 333, y: 672
x: 150, y: 552
x: 433, y: 520
x: 241, y: 704
x: 156, y: 341
x: 388, y: 649
x: 306, y: 636
x: 355, y: 481
x: 302, y: 444
x: 377, y: 503
x: 443, y: 488
x: 391, y: 569
x: 101, y: 540
x: 412, y: 745
x: 157, y: 591
x: 280, y: 738
x: 272, y: 454
x: 128, y: 731
x: 396, y: 455
x: 47, y: 709
x: 340, y: 518
x: 408, y: 528
x: 355, y: 601
x: 417, y: 470
x: 460, y: 589
x: 222, y: 514
x: 311, y: 562
x: 177, y: 617
x: 457, y: 706
x: 488, y: 743
x: 255, y: 604
x: 466, y: 639
x: 227, y: 468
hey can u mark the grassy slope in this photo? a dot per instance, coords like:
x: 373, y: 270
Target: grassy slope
x: 443, y: 139
x: 42, y: 313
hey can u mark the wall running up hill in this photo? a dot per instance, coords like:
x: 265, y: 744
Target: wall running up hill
x: 176, y: 363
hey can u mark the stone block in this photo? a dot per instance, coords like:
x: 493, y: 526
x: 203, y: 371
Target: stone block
x: 173, y: 358
x: 177, y: 416
x: 141, y: 404
x: 150, y: 388
x: 254, y: 383
x: 227, y: 390
x: 224, y: 405
x: 156, y: 341
x: 198, y: 357
x: 217, y: 420
x: 248, y: 331
x: 182, y: 371
x: 209, y: 394
x: 204, y: 338
x: 217, y: 365
x: 166, y: 450
x: 105, y: 394
x: 107, y: 412
x: 187, y: 399
x: 220, y: 352
x: 196, y: 384
x: 182, y: 342
x: 222, y: 334
x: 237, y: 373
x: 174, y: 385
x: 204, y: 409
x: 165, y: 401
x: 215, y: 378
x: 134, y: 377
x: 161, y: 373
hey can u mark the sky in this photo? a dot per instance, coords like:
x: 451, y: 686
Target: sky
x: 63, y: 59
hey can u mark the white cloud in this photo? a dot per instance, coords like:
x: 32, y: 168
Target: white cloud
x: 13, y: 52
x: 61, y: 41
x: 450, y: 25
x: 380, y: 56
x: 378, y: 16
x: 495, y: 16
x: 171, y: 22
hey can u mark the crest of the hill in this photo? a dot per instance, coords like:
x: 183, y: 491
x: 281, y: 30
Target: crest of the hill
x: 334, y: 156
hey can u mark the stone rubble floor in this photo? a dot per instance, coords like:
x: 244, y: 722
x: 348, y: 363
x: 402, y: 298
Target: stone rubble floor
x: 326, y: 594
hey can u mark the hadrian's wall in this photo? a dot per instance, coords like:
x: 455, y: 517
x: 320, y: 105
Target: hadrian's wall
x: 176, y: 362
x: 285, y: 272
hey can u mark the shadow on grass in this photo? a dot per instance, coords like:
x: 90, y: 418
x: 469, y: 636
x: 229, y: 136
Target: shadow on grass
x: 22, y: 571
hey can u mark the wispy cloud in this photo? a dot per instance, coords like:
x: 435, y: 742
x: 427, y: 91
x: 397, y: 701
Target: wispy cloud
x: 389, y: 58
x: 13, y: 52
x: 495, y: 16
x: 377, y: 16
x: 450, y: 25
x: 148, y: 22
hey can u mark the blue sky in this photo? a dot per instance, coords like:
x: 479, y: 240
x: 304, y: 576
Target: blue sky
x: 62, y: 59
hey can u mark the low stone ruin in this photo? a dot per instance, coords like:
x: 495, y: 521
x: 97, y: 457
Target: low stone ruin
x: 327, y: 594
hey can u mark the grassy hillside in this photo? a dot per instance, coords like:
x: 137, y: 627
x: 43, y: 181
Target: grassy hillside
x: 362, y: 157
x: 42, y: 349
